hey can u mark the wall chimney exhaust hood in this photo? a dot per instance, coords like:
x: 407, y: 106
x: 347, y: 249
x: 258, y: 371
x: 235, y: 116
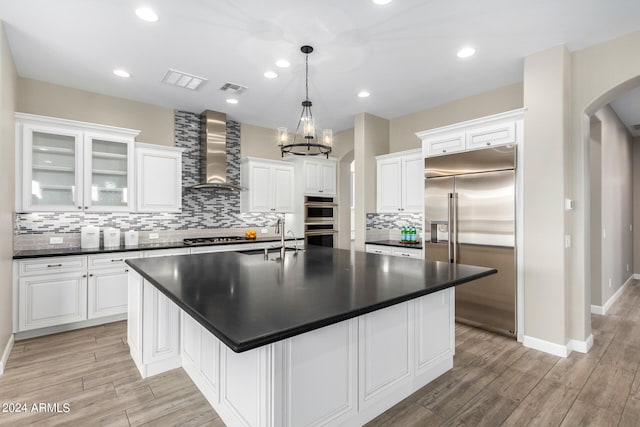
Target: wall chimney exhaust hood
x: 213, y: 152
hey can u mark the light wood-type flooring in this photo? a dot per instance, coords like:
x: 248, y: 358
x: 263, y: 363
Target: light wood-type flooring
x: 495, y: 382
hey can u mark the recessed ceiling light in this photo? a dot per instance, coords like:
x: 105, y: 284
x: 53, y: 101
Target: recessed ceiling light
x: 121, y: 73
x: 466, y: 52
x: 283, y: 63
x: 232, y: 101
x: 146, y: 14
x: 270, y: 75
x: 363, y: 94
x: 381, y: 2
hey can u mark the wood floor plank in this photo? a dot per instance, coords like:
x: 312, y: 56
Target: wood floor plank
x: 486, y: 409
x: 573, y: 371
x: 607, y: 388
x: 515, y: 385
x: 546, y: 405
x: 583, y: 414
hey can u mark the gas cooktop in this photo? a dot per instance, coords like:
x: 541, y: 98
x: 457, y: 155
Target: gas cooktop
x: 211, y: 240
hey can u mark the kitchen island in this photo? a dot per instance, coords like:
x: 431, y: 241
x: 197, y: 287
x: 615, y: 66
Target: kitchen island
x: 325, y: 336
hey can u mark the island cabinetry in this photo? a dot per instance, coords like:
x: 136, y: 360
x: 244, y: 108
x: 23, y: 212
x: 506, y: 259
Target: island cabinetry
x: 158, y: 178
x: 498, y: 129
x: 269, y: 185
x: 346, y: 373
x: 107, y: 285
x: 400, y: 180
x: 70, y: 166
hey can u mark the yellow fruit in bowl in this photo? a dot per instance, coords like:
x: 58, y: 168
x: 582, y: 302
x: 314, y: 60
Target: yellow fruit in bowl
x: 250, y: 234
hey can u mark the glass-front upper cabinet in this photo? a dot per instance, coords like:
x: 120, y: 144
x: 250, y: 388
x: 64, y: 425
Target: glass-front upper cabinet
x: 108, y: 173
x: 52, y: 174
x: 73, y: 166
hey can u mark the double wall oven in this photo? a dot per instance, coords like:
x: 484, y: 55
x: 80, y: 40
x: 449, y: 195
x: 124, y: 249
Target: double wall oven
x: 320, y: 218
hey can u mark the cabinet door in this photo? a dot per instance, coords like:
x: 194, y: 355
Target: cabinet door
x: 328, y: 178
x: 260, y: 188
x: 412, y: 183
x: 50, y: 300
x: 389, y: 185
x: 282, y: 195
x: 134, y: 317
x: 107, y: 293
x: 158, y: 180
x: 496, y: 134
x: 52, y: 169
x: 444, y: 144
x: 311, y: 176
x: 161, y: 338
x: 108, y: 162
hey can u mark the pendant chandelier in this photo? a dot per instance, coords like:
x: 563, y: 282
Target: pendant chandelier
x: 305, y: 143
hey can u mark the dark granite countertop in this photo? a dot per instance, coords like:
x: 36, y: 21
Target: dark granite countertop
x: 51, y: 252
x: 247, y: 301
x: 395, y: 243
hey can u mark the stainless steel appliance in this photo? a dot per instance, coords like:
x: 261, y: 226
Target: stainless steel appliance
x: 320, y: 216
x: 470, y: 219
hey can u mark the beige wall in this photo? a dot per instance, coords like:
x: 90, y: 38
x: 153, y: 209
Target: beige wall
x: 343, y: 151
x: 47, y: 99
x: 8, y: 89
x: 402, y: 129
x: 256, y: 141
x: 545, y: 79
x: 617, y: 204
x: 595, y: 165
x: 599, y: 74
x: 371, y: 138
x: 636, y: 205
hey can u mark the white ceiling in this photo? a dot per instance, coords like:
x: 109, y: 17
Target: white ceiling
x: 404, y: 53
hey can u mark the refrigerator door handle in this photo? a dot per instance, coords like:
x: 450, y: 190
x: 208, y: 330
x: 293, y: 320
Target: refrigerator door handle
x: 449, y: 226
x: 454, y: 227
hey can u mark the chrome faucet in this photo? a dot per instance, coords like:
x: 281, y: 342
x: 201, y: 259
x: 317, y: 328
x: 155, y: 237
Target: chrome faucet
x: 280, y: 229
x: 295, y: 241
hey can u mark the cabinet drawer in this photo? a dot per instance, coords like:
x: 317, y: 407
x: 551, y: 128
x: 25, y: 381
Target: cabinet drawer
x: 377, y: 249
x: 503, y: 133
x: 445, y: 144
x: 112, y: 260
x: 52, y: 265
x: 166, y: 252
x: 223, y: 248
x: 407, y: 252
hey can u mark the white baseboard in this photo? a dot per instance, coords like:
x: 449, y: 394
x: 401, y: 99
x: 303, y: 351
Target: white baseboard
x: 546, y: 346
x: 580, y: 346
x: 602, y: 310
x: 636, y: 276
x: 5, y: 354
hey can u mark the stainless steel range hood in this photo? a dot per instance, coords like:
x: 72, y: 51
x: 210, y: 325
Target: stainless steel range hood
x: 213, y: 152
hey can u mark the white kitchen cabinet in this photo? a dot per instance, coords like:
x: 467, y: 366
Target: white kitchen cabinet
x: 269, y: 184
x: 73, y: 166
x: 50, y: 300
x: 158, y: 178
x: 400, y: 180
x: 107, y: 285
x: 319, y: 177
x: 495, y: 130
x: 394, y: 251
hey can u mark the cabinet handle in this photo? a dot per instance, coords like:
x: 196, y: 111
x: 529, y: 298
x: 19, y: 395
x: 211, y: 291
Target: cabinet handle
x: 320, y: 191
x: 84, y: 275
x: 54, y: 265
x: 405, y: 254
x: 79, y: 207
x: 117, y: 260
x: 90, y: 275
x: 86, y: 207
x: 378, y: 252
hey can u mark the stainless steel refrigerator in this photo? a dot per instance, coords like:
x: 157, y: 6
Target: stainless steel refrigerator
x: 470, y: 219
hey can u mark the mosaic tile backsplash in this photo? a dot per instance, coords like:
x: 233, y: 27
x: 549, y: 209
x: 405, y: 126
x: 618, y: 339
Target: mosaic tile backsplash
x: 382, y: 226
x: 201, y: 209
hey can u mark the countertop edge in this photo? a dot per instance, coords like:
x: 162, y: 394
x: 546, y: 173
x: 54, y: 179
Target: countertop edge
x: 239, y: 347
x: 394, y: 243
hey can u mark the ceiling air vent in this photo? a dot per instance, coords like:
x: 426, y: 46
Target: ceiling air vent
x: 233, y: 88
x: 183, y: 80
x: 635, y: 127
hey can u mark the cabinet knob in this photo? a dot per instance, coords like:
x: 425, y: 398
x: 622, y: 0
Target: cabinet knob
x: 79, y: 207
x: 84, y: 275
x: 444, y: 151
x: 405, y: 254
x: 320, y: 191
x: 488, y: 143
x: 126, y: 270
x: 86, y: 207
x: 91, y: 275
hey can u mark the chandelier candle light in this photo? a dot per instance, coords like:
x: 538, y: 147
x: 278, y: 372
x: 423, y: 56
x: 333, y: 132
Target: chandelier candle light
x: 310, y: 144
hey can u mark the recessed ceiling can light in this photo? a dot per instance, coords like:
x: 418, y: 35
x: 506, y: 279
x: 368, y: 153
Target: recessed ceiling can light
x: 363, y: 94
x: 232, y: 101
x: 121, y: 73
x: 270, y: 74
x: 466, y: 52
x: 381, y: 2
x: 146, y: 14
x: 283, y: 63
